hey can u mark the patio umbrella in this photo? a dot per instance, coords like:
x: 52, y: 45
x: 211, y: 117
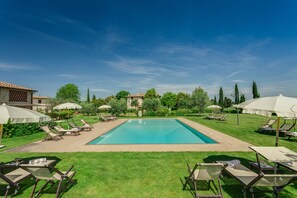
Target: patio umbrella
x: 281, y: 105
x: 19, y: 115
x: 104, y: 107
x: 214, y: 107
x: 67, y: 106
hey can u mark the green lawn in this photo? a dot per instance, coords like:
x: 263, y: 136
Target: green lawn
x: 151, y: 174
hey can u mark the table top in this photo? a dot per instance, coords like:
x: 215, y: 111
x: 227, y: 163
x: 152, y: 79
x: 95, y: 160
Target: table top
x: 26, y: 164
x: 275, y: 154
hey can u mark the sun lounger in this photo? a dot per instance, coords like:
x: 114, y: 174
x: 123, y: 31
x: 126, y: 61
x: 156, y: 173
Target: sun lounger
x: 12, y: 179
x: 292, y: 166
x: 267, y: 125
x: 50, y: 135
x: 107, y: 118
x: 284, y: 128
x: 74, y: 126
x: 250, y: 179
x: 72, y: 131
x: 87, y: 125
x: 50, y: 175
x: 208, y: 172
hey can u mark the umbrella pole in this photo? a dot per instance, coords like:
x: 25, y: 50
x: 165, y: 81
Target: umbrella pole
x: 1, y: 131
x: 277, y: 131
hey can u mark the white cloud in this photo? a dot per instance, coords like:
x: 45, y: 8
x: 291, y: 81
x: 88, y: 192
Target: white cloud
x: 99, y: 90
x: 13, y: 67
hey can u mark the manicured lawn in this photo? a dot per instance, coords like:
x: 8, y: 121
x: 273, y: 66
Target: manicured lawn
x: 151, y: 174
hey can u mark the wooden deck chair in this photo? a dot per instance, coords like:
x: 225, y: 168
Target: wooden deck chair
x: 72, y: 131
x: 105, y: 119
x: 87, y: 124
x: 50, y: 135
x: 50, y: 175
x: 283, y: 129
x: 74, y: 126
x: 267, y: 125
x: 250, y: 179
x: 12, y: 179
x: 208, y: 172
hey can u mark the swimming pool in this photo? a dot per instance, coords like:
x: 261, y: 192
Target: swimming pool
x: 153, y: 131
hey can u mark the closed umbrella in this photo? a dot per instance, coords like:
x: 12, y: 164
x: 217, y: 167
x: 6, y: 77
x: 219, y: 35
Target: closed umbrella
x: 281, y: 105
x: 19, y: 115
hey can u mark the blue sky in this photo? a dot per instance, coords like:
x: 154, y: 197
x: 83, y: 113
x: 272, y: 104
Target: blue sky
x: 115, y: 45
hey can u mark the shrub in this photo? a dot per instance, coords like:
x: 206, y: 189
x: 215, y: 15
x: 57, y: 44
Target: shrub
x: 16, y: 130
x: 182, y: 112
x: 162, y: 112
x: 230, y: 110
x: 149, y: 113
x: 172, y: 113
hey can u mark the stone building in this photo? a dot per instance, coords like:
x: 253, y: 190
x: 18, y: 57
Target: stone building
x: 15, y: 95
x: 138, y: 97
x: 41, y: 104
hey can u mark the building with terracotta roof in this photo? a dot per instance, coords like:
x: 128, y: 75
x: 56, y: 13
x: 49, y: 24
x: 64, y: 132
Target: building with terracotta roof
x: 138, y: 97
x: 16, y: 95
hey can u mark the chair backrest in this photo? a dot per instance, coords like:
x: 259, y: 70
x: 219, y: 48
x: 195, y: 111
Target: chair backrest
x: 209, y: 171
x: 270, y: 122
x: 58, y: 128
x: 84, y: 122
x: 103, y: 118
x: 6, y: 180
x: 275, y: 180
x: 72, y: 124
x: 46, y: 129
x: 287, y: 127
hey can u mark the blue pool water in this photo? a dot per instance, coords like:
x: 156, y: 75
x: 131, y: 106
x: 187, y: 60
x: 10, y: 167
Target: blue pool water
x: 153, y: 131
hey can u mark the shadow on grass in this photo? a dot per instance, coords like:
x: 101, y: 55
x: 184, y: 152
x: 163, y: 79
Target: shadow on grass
x: 29, y: 182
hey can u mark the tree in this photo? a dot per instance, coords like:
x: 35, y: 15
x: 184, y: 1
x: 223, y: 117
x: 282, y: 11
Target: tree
x: 122, y: 94
x: 68, y: 92
x: 88, y: 95
x: 200, y: 99
x: 118, y: 106
x: 88, y: 108
x: 151, y: 104
x: 94, y: 97
x: 215, y: 102
x: 183, y: 100
x: 151, y: 93
x: 221, y: 97
x: 169, y: 99
x: 134, y: 103
x: 236, y: 94
x: 98, y: 102
x: 227, y: 102
x: 107, y: 99
x: 256, y: 94
x: 242, y: 98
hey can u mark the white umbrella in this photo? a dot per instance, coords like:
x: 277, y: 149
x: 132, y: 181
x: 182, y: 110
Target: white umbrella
x: 214, y: 107
x: 104, y: 107
x: 19, y: 115
x: 67, y: 105
x: 281, y: 105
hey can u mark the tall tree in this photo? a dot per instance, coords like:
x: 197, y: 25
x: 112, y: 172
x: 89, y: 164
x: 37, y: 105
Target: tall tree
x: 151, y: 93
x: 236, y: 94
x: 88, y: 95
x: 151, y: 104
x: 122, y: 94
x: 221, y: 97
x: 200, y: 99
x: 118, y: 106
x: 227, y: 102
x: 242, y: 98
x: 215, y: 102
x: 169, y: 99
x: 68, y: 92
x: 256, y: 94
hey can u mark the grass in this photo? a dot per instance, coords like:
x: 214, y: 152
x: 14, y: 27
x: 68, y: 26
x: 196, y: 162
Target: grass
x: 140, y: 174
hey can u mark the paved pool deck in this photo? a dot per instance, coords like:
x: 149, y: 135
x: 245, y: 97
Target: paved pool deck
x: 79, y: 143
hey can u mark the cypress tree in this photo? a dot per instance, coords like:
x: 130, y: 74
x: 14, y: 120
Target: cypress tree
x: 94, y: 97
x: 88, y: 95
x: 221, y: 97
x: 255, y: 90
x: 236, y: 94
x: 215, y: 100
x: 242, y: 98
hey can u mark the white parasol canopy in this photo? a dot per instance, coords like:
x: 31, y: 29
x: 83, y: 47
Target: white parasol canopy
x: 281, y: 105
x: 19, y: 115
x: 104, y: 107
x: 214, y: 107
x: 67, y: 105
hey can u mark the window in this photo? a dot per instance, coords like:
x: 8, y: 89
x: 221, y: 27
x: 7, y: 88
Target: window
x: 39, y: 101
x: 18, y: 96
